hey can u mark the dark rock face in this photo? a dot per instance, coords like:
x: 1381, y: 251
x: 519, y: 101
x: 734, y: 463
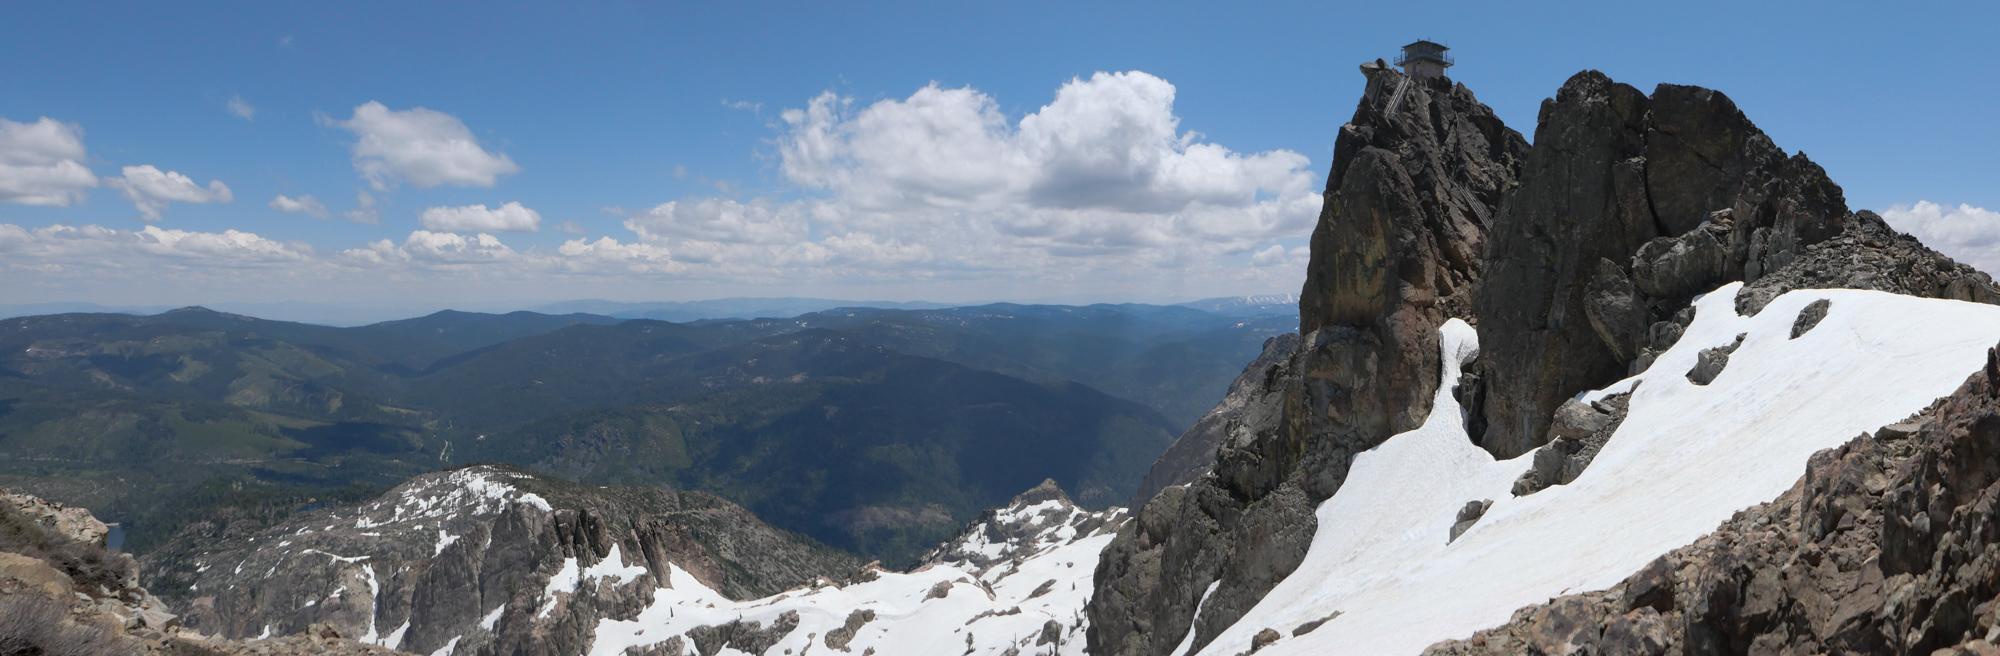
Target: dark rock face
x: 1251, y: 401
x: 1885, y: 546
x: 1630, y: 205
x: 1582, y: 200
x: 468, y: 558
x: 1397, y: 251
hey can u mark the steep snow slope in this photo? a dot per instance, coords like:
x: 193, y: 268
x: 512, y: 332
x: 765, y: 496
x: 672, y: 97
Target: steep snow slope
x: 1686, y: 457
x: 1016, y: 582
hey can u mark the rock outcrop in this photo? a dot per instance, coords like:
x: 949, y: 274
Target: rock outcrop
x: 1416, y: 178
x: 1628, y: 206
x: 1251, y: 401
x: 1885, y: 546
x: 63, y: 592
x: 483, y: 559
x: 73, y: 524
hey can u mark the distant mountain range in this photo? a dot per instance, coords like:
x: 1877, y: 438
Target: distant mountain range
x: 719, y: 308
x: 934, y: 414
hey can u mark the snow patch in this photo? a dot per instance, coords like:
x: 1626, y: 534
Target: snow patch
x: 1685, y: 459
x: 448, y: 647
x: 492, y: 618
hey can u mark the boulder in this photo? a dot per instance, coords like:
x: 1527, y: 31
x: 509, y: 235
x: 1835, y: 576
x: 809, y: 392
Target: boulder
x: 1467, y: 516
x: 1810, y: 316
x: 1710, y: 362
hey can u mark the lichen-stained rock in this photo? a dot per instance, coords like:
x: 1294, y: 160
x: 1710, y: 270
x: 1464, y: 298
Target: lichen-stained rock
x: 1398, y: 249
x: 1885, y: 546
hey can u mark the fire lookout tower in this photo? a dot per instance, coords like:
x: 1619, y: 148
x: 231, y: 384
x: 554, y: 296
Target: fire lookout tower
x: 1424, y: 59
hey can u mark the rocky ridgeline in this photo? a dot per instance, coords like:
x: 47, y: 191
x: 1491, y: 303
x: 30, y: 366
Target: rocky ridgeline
x: 1576, y: 260
x: 1885, y: 546
x: 1014, y: 582
x: 1033, y: 523
x: 480, y: 560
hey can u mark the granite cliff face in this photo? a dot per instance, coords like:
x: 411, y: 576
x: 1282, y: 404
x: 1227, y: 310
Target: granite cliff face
x: 1417, y: 176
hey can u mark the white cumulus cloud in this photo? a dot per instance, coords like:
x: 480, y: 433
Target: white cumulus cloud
x: 422, y: 147
x: 511, y: 217
x: 609, y: 253
x: 1104, y: 170
x: 434, y: 248
x: 41, y: 163
x: 304, y: 204
x: 1966, y: 233
x: 151, y: 189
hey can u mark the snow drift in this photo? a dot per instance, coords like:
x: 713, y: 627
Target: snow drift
x: 1382, y: 577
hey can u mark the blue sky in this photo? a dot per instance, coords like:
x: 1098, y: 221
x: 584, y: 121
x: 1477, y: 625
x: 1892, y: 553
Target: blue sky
x: 593, y: 116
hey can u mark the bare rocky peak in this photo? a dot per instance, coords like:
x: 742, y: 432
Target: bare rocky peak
x: 1034, y: 522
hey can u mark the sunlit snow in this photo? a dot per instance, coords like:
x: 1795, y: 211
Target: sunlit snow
x: 1686, y: 458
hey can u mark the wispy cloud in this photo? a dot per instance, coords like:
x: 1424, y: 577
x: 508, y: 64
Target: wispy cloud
x: 241, y: 109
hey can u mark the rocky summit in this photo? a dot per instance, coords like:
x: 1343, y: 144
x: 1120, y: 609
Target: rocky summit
x: 1577, y: 261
